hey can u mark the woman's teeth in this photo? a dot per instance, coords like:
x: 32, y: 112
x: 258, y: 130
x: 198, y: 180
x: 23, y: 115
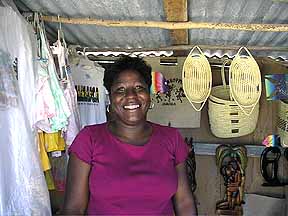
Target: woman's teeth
x: 130, y: 107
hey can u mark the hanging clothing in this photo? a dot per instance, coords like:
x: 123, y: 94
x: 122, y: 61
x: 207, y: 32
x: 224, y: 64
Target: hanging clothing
x: 49, y: 180
x: 74, y: 124
x: 92, y: 96
x: 23, y: 190
x: 62, y: 54
x: 58, y: 170
x: 60, y: 50
x: 52, y: 141
x: 51, y: 90
x: 43, y: 153
x: 19, y: 42
x: 46, y: 108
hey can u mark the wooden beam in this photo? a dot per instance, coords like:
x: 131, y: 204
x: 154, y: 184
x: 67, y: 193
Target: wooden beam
x: 177, y: 11
x: 186, y: 47
x: 170, y: 25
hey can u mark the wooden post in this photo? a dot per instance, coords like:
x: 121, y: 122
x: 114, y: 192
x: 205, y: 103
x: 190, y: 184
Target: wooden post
x: 177, y: 11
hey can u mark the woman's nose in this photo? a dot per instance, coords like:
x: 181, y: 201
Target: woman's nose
x: 131, y: 93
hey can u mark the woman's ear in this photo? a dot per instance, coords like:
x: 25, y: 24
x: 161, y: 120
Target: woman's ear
x: 151, y: 106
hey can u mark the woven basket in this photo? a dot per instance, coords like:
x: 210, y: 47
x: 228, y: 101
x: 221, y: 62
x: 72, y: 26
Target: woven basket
x: 282, y: 122
x: 226, y: 118
x: 197, y: 78
x: 245, y: 81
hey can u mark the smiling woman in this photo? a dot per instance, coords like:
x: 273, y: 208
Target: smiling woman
x: 128, y: 166
x: 128, y: 82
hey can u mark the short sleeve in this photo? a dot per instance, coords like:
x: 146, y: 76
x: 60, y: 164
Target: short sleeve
x: 82, y: 146
x: 181, y: 148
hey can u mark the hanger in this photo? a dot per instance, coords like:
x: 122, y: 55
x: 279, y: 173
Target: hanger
x: 84, y: 62
x: 62, y: 49
x: 61, y: 34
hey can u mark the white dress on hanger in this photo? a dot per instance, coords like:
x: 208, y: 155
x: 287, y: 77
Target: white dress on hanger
x: 23, y: 190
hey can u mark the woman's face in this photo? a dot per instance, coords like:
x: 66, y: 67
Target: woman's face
x: 130, y: 98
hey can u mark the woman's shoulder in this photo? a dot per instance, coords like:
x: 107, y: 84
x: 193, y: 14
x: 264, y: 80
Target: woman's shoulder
x: 164, y: 130
x: 93, y: 129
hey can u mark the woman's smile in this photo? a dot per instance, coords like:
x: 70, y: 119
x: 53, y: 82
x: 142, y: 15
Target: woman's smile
x: 132, y: 107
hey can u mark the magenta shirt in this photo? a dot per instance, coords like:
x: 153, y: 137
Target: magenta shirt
x: 130, y: 180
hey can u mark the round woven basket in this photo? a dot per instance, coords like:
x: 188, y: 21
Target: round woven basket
x: 282, y: 122
x: 196, y: 78
x: 245, y: 81
x: 226, y: 118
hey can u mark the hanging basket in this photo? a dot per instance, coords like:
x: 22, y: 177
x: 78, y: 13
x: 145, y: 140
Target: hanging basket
x: 245, y: 81
x: 282, y: 122
x: 197, y: 78
x: 226, y: 118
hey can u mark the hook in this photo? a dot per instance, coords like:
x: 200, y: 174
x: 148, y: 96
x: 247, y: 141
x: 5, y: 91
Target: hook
x: 84, y: 51
x: 59, y: 28
x: 60, y: 25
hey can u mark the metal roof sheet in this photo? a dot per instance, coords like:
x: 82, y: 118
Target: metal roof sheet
x: 228, y: 11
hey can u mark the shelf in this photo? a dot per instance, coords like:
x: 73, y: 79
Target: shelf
x: 209, y: 149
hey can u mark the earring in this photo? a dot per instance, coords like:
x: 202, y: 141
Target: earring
x: 151, y: 105
x: 108, y: 109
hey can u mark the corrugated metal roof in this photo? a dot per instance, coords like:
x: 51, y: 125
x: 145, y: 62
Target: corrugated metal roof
x: 228, y: 11
x: 239, y: 11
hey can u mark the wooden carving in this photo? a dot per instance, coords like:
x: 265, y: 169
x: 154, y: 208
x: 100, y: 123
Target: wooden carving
x: 232, y: 162
x: 191, y: 164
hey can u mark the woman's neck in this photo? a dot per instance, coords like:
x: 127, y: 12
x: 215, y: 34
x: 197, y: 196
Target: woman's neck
x: 136, y: 134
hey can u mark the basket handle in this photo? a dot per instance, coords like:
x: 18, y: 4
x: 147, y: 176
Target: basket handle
x: 243, y: 49
x: 223, y: 72
x: 199, y: 50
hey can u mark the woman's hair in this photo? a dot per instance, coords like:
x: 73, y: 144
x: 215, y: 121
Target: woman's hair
x: 127, y: 63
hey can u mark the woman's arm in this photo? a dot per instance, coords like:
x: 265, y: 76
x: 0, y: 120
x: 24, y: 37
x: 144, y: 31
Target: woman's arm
x: 183, y: 200
x: 77, y: 191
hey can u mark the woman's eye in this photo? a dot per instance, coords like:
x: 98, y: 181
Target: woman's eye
x: 120, y: 90
x: 139, y: 88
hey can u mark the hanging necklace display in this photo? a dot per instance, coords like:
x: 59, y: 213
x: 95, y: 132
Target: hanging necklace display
x: 282, y: 122
x: 191, y: 164
x: 286, y: 153
x: 245, y: 81
x: 196, y: 78
x: 269, y: 166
